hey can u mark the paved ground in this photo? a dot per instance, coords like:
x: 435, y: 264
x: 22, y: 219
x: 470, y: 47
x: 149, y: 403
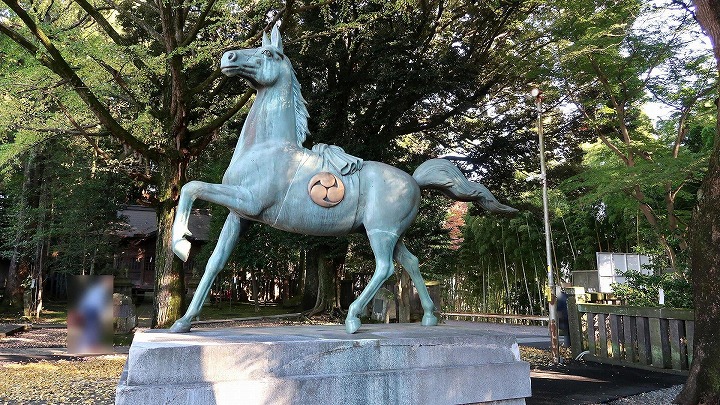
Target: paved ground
x: 578, y: 382
x: 592, y: 383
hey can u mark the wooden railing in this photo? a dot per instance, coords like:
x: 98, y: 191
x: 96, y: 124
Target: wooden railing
x: 652, y: 338
x: 483, y: 317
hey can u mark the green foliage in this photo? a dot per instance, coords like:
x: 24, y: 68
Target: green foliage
x: 643, y: 289
x: 395, y: 81
x: 610, y: 61
x: 68, y: 204
x: 639, y: 289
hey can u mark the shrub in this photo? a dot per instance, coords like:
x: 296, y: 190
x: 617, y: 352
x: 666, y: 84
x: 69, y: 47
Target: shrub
x: 643, y: 289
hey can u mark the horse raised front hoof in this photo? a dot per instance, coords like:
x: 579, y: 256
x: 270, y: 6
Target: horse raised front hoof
x: 352, y: 325
x: 180, y: 326
x: 181, y: 247
x: 429, y: 320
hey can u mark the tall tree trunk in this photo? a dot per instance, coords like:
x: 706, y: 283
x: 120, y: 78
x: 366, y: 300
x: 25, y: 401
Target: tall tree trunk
x: 404, y: 293
x: 255, y: 293
x: 310, y: 280
x: 18, y: 266
x: 41, y: 247
x: 703, y: 384
x: 326, y: 260
x: 169, y: 296
x: 326, y: 286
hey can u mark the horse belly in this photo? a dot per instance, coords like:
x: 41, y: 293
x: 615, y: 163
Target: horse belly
x: 299, y: 214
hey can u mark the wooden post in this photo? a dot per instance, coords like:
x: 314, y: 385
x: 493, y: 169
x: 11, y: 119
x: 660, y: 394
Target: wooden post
x: 592, y: 345
x: 643, y: 339
x: 602, y: 328
x: 676, y: 358
x: 576, y: 295
x: 616, y: 337
x: 630, y: 334
x: 665, y: 334
x: 656, y: 343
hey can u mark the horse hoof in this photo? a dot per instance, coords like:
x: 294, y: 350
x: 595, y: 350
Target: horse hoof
x: 429, y: 320
x: 352, y: 325
x: 180, y: 327
x: 181, y: 247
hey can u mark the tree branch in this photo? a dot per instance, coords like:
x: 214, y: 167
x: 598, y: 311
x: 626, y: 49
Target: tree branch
x: 102, y: 22
x: 82, y: 130
x: 64, y: 131
x: 438, y: 119
x: 117, y: 77
x: 58, y: 65
x: 137, y: 21
x: 198, y: 24
x: 207, y: 82
x: 602, y: 137
x: 217, y: 122
x: 19, y: 39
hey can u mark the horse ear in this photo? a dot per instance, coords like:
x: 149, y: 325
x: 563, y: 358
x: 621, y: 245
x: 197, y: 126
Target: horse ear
x: 265, y: 39
x: 275, y: 38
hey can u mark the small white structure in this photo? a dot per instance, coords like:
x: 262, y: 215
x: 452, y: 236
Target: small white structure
x: 610, y: 264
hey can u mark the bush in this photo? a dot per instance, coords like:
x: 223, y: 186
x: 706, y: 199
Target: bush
x: 643, y: 289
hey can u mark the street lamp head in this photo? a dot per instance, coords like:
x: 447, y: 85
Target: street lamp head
x: 535, y: 92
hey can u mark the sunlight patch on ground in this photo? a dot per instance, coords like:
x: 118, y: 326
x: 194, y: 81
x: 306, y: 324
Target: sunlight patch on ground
x: 554, y: 375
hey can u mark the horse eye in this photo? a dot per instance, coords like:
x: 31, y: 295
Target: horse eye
x: 267, y: 53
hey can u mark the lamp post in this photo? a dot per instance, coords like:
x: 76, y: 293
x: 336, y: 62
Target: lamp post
x: 552, y: 313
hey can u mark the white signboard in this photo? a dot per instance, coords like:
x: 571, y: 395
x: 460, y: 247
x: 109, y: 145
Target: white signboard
x: 609, y: 264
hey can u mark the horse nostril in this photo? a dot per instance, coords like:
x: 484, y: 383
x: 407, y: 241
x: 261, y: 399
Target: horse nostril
x: 231, y: 56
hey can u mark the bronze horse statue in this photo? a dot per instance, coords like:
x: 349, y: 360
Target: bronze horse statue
x: 273, y: 179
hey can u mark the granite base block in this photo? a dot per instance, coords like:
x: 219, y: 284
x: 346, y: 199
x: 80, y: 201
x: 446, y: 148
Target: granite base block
x: 381, y: 364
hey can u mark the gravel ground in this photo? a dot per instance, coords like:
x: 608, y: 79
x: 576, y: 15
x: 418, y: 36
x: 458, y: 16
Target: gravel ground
x: 659, y: 397
x: 35, y: 338
x: 92, y: 380
x: 85, y: 381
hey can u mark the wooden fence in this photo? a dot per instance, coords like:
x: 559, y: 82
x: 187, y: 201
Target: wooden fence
x: 483, y: 317
x: 651, y: 338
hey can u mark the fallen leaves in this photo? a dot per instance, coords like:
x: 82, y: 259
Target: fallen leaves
x: 91, y: 380
x: 542, y: 357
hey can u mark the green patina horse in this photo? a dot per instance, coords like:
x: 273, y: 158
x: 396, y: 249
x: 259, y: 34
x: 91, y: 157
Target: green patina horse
x: 273, y: 179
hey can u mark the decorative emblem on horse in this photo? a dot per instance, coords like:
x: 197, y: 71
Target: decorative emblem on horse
x: 346, y: 194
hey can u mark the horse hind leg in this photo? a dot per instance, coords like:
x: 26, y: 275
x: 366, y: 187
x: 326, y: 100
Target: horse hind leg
x: 412, y: 266
x: 234, y: 227
x: 382, y: 244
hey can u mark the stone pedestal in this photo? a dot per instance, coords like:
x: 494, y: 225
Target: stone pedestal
x: 381, y: 364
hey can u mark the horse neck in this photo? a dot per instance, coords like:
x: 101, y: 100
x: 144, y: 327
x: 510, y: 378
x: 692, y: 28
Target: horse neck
x: 271, y: 118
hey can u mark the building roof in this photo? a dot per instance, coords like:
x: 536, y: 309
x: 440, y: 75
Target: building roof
x: 142, y: 222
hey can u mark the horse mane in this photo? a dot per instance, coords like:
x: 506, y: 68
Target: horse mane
x: 301, y: 112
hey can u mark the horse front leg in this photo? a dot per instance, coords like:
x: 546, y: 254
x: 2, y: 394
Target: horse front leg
x: 233, y: 197
x: 232, y: 230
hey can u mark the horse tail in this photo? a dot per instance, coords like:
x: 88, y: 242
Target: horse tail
x: 440, y: 174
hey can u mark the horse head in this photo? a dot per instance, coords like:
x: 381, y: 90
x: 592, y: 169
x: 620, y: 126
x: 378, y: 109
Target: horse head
x: 262, y: 66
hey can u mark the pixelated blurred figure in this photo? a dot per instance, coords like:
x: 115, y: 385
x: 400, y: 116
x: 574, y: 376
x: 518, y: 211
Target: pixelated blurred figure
x: 90, y: 315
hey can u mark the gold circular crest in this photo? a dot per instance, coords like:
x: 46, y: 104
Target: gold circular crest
x: 326, y: 189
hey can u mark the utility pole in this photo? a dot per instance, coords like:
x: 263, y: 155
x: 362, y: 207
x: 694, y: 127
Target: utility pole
x: 552, y: 312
